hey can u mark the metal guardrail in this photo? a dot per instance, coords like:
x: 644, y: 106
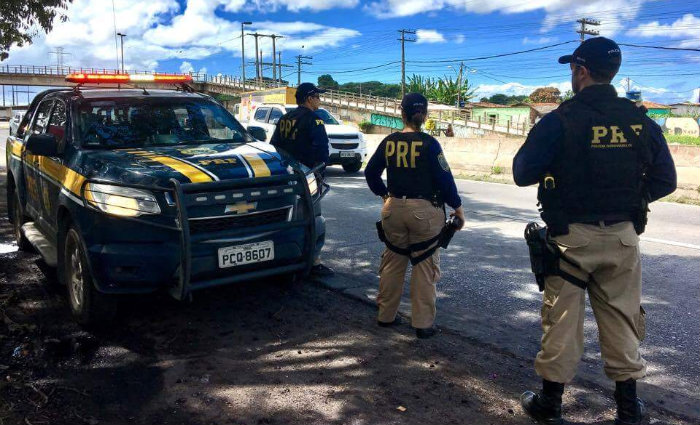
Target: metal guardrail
x: 366, y: 102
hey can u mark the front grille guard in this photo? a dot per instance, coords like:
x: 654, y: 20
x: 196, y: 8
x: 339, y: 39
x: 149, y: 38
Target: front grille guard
x: 183, y: 289
x: 184, y: 286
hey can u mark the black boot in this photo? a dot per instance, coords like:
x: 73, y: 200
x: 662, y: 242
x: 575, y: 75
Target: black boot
x: 630, y: 409
x: 544, y: 407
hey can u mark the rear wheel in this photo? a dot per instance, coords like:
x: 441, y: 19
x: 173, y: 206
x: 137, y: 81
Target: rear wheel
x: 89, y: 307
x: 18, y: 219
x: 352, y: 167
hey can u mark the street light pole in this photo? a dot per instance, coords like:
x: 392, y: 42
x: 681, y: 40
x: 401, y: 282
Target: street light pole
x: 121, y: 37
x: 243, y: 52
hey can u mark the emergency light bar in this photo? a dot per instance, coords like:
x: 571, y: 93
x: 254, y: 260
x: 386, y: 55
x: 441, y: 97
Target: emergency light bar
x: 83, y: 78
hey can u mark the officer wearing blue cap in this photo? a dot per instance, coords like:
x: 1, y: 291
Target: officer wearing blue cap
x: 419, y: 183
x: 599, y: 160
x: 301, y: 135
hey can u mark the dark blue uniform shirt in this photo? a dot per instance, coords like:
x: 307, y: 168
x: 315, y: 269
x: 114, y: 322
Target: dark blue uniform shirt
x: 302, y: 134
x: 537, y: 154
x: 441, y: 176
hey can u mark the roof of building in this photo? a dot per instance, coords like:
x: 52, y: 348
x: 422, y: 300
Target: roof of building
x: 486, y: 105
x: 653, y: 105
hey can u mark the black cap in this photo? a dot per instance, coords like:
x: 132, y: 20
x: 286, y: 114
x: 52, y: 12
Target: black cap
x: 305, y: 90
x: 414, y: 102
x: 596, y: 54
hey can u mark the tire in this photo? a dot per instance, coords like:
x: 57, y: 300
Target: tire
x: 352, y: 167
x: 88, y: 306
x: 18, y: 219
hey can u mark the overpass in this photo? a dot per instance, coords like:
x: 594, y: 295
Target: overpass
x: 358, y: 106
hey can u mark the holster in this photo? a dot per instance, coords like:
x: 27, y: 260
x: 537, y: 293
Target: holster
x: 640, y: 219
x: 443, y: 240
x: 545, y: 256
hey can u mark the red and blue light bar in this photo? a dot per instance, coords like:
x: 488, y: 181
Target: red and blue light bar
x: 84, y: 78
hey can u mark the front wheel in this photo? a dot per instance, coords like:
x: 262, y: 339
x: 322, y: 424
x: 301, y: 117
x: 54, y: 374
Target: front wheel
x: 89, y: 307
x: 352, y: 167
x: 18, y: 219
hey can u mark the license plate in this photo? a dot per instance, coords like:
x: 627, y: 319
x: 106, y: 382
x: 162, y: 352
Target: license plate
x: 232, y: 256
x: 347, y: 154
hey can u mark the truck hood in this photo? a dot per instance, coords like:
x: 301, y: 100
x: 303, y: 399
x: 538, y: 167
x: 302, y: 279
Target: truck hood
x: 340, y: 129
x: 187, y: 163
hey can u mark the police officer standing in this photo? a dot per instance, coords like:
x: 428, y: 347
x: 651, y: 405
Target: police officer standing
x: 301, y: 135
x: 599, y: 160
x: 419, y: 182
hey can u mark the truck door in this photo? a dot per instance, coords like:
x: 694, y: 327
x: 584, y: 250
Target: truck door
x: 51, y: 168
x: 31, y: 163
x: 272, y: 120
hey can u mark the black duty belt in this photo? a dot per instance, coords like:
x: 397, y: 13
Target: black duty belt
x: 603, y: 222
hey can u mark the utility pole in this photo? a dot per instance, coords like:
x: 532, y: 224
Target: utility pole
x: 299, y: 64
x: 60, y: 53
x: 121, y: 38
x: 279, y: 65
x: 257, y: 59
x: 583, y: 31
x: 403, y: 39
x: 459, y: 85
x: 274, y: 54
x: 243, y: 52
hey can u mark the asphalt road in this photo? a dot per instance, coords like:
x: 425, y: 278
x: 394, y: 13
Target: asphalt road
x: 488, y: 294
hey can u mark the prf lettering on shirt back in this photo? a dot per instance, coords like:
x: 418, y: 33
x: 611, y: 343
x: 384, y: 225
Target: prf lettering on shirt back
x: 404, y: 154
x: 612, y: 136
x: 286, y: 127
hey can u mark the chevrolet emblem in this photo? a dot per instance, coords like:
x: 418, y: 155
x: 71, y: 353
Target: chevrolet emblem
x: 241, y: 207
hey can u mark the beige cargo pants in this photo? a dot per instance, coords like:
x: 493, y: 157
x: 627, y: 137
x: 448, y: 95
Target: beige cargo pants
x: 609, y: 259
x: 406, y: 222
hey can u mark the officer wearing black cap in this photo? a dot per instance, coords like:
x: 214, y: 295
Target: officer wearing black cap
x: 599, y: 160
x: 419, y: 183
x: 301, y: 135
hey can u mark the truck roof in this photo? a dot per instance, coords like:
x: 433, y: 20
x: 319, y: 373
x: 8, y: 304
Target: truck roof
x: 101, y: 93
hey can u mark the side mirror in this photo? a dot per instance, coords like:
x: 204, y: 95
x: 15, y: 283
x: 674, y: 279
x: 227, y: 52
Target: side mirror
x: 258, y: 132
x: 42, y: 144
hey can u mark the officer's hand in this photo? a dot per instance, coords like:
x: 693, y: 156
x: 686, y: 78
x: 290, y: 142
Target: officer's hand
x: 459, y: 212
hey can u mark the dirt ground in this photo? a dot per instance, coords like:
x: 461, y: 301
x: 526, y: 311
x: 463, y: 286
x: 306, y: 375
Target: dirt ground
x: 258, y: 353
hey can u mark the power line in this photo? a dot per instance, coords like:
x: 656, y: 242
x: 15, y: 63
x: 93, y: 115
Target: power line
x: 659, y: 47
x: 583, y: 31
x: 519, y: 52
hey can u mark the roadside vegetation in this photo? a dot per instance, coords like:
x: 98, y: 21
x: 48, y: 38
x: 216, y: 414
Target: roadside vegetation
x: 682, y: 140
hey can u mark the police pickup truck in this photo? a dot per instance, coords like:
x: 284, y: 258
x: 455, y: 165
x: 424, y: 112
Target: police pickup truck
x: 130, y: 191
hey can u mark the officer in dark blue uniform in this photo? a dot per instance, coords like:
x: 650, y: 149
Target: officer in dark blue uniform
x: 419, y: 184
x: 301, y: 135
x: 599, y: 160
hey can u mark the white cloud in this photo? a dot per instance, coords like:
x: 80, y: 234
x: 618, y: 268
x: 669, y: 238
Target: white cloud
x: 557, y: 11
x: 429, y: 36
x: 517, y: 89
x: 299, y: 5
x: 686, y: 28
x: 159, y: 30
x: 459, y: 38
x: 186, y: 67
x: 540, y: 40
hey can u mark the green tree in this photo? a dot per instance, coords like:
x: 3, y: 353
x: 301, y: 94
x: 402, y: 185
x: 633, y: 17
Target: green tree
x: 545, y: 95
x: 325, y: 81
x: 446, y: 90
x: 567, y: 95
x: 21, y: 20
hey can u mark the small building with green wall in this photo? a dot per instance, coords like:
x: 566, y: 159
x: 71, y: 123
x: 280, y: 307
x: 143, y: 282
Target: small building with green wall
x: 489, y: 112
x: 657, y: 109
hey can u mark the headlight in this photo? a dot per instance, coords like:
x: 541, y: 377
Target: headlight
x: 121, y: 201
x: 311, y: 182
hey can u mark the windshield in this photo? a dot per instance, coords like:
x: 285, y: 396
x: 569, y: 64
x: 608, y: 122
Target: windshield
x: 326, y: 116
x: 139, y: 122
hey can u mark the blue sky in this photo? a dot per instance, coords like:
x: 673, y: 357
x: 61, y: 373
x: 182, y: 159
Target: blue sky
x: 345, y: 37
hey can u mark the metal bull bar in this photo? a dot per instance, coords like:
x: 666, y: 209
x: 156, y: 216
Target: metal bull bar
x: 184, y: 286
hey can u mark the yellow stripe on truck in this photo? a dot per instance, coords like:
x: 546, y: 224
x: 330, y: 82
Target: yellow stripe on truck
x: 193, y: 173
x: 260, y: 168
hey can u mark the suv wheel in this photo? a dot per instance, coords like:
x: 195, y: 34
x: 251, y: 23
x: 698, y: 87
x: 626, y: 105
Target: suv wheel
x: 89, y: 307
x: 18, y: 219
x: 352, y: 167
